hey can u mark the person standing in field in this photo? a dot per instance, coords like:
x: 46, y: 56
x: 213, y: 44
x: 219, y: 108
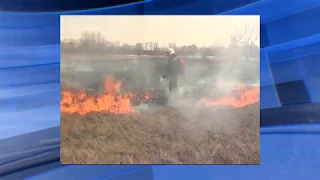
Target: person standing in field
x: 175, y: 70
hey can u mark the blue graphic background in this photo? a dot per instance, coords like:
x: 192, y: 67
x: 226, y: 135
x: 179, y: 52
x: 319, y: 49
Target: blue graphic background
x: 290, y: 92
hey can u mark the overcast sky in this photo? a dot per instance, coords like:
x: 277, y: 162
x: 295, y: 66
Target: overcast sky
x: 184, y: 30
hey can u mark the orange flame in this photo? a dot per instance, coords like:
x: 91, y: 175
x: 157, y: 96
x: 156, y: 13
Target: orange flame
x: 110, y: 101
x: 243, y: 97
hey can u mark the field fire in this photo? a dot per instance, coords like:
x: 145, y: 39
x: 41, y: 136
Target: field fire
x: 243, y: 97
x: 113, y: 101
x: 94, y: 132
x: 118, y: 93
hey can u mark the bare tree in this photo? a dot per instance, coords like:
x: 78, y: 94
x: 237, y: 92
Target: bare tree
x: 92, y: 42
x: 172, y: 45
x: 150, y: 46
x: 69, y: 45
x: 246, y: 35
x: 146, y: 46
x: 139, y: 48
x: 155, y: 46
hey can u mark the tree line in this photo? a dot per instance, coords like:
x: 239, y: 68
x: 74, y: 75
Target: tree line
x: 242, y: 42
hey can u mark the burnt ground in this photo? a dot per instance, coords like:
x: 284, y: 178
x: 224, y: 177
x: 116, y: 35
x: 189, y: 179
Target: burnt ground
x: 163, y: 136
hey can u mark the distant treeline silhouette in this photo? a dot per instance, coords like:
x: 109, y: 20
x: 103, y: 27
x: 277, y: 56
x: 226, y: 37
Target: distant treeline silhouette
x: 95, y: 43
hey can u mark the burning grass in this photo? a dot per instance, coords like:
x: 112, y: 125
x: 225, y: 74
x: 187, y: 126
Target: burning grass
x: 112, y: 100
x: 104, y: 129
x: 164, y: 136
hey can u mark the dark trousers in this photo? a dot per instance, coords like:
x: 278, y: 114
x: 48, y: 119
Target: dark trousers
x: 174, y: 83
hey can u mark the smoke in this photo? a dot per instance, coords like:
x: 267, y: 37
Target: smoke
x: 199, y: 118
x: 90, y: 71
x: 213, y: 79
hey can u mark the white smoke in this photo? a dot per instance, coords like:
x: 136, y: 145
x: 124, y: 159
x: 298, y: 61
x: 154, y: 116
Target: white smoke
x: 228, y: 74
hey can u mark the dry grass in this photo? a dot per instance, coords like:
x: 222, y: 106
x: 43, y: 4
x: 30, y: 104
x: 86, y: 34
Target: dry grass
x: 163, y: 136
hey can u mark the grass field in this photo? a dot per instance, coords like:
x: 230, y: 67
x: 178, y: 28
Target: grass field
x: 163, y: 136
